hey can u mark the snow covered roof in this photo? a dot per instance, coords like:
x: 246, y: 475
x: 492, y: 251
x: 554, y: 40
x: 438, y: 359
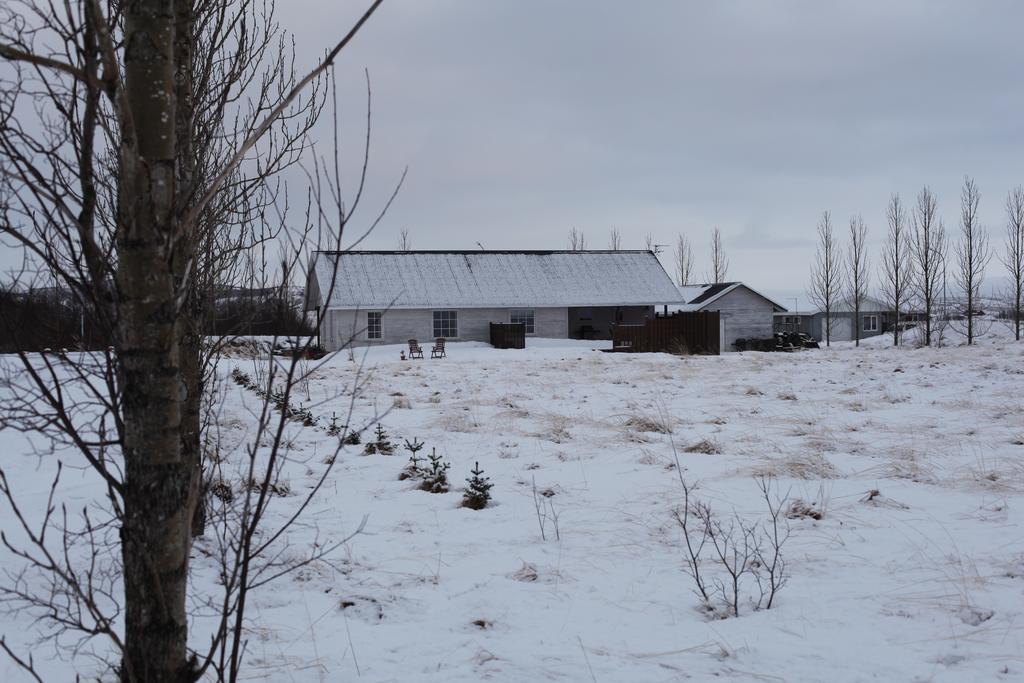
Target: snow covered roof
x: 481, y: 279
x: 701, y: 297
x: 868, y: 303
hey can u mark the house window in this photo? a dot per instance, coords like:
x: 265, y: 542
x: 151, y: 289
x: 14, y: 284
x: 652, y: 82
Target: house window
x: 373, y: 325
x: 871, y: 323
x: 524, y: 316
x: 446, y: 323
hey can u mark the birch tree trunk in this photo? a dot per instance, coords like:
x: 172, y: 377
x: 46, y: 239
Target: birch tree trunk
x: 159, y: 486
x: 185, y: 265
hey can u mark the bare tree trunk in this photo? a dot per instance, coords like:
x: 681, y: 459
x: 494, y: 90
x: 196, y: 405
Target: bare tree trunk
x: 826, y: 273
x: 158, y: 482
x: 404, y: 243
x: 185, y: 259
x: 1013, y: 259
x: 719, y: 261
x: 897, y: 266
x: 576, y: 240
x: 683, y: 260
x: 972, y: 252
x: 615, y: 240
x: 929, y: 256
x: 857, y: 269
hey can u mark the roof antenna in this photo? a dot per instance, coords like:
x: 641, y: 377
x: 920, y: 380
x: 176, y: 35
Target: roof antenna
x: 481, y: 246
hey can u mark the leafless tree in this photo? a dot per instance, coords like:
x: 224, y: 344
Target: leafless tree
x: 972, y: 253
x: 738, y: 549
x: 897, y: 264
x: 404, y: 243
x: 115, y: 193
x: 576, y: 240
x: 929, y: 257
x: 719, y: 261
x: 857, y: 271
x: 683, y: 260
x: 615, y: 240
x: 1013, y: 258
x: 826, y: 274
x: 649, y: 242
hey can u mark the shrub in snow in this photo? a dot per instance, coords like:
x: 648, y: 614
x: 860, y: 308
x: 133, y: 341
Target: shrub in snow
x: 734, y: 562
x: 221, y: 490
x: 705, y: 446
x: 381, y: 443
x: 546, y: 512
x: 478, y: 493
x: 242, y: 379
x: 336, y: 427
x: 413, y: 470
x: 276, y: 487
x: 650, y: 424
x: 800, y: 509
x: 435, y: 478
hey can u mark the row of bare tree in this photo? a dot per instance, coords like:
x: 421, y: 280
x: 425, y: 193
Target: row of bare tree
x: 682, y: 255
x: 915, y: 264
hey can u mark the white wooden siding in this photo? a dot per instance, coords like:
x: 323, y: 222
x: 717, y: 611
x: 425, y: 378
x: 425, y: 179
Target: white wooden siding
x: 400, y: 325
x: 745, y: 315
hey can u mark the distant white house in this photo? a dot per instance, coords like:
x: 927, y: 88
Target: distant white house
x: 876, y: 318
x: 745, y: 312
x: 389, y: 297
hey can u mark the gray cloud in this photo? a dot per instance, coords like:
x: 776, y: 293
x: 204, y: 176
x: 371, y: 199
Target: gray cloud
x: 521, y: 119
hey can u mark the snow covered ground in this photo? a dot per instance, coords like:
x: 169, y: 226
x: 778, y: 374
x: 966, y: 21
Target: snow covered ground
x: 914, y: 458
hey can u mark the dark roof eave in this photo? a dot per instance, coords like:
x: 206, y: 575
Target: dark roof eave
x: 415, y: 307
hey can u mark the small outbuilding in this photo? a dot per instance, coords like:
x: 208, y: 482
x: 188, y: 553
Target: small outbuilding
x: 389, y: 297
x: 745, y: 312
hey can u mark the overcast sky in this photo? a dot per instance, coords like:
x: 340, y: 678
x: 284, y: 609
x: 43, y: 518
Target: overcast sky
x: 519, y: 120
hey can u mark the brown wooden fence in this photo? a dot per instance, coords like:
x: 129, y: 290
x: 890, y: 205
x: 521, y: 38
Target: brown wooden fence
x: 508, y: 335
x: 689, y: 332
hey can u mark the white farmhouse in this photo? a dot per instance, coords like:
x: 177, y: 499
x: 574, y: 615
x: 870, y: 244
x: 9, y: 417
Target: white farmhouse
x: 389, y: 297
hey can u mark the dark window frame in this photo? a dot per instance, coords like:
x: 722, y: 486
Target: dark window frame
x: 375, y: 328
x: 446, y: 323
x: 528, y: 316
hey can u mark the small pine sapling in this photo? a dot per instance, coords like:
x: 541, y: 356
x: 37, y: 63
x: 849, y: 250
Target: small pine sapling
x: 478, y: 493
x: 413, y: 470
x: 435, y: 478
x: 381, y: 443
x: 335, y: 428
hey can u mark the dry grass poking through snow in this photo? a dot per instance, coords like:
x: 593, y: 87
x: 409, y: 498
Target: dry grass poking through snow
x: 924, y: 469
x: 659, y: 425
x: 705, y: 446
x: 806, y: 465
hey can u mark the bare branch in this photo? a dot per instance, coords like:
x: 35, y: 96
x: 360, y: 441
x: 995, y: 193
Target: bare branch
x: 972, y: 252
x: 259, y: 130
x: 826, y: 274
x: 857, y: 272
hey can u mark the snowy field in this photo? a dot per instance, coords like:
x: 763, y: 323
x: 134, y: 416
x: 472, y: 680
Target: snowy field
x: 912, y: 458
